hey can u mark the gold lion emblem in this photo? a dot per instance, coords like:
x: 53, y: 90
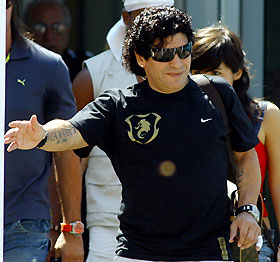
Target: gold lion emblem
x: 143, y: 128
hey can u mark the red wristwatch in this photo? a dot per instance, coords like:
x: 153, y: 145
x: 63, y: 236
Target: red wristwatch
x: 76, y: 228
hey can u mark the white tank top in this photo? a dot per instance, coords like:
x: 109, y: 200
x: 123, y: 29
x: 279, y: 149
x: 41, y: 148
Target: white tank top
x: 106, y: 73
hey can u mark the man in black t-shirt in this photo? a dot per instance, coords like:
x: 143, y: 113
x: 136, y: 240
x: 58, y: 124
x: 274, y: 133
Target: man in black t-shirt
x: 167, y: 143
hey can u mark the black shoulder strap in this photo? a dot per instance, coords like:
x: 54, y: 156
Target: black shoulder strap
x: 211, y: 91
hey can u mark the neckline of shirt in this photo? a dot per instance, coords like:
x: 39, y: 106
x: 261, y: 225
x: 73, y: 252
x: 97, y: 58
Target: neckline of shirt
x: 163, y: 96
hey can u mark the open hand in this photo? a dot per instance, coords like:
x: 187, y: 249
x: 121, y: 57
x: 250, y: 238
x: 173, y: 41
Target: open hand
x: 24, y: 134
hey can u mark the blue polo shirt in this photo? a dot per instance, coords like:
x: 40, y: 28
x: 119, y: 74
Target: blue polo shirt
x: 37, y: 82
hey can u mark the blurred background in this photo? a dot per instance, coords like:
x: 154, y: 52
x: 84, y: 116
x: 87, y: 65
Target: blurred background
x: 256, y: 21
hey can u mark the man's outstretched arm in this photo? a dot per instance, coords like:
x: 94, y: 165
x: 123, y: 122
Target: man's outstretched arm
x: 27, y: 134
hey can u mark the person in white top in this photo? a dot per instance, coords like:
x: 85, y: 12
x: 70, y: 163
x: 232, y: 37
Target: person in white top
x: 99, y: 73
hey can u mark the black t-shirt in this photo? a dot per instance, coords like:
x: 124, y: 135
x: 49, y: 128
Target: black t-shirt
x: 169, y: 152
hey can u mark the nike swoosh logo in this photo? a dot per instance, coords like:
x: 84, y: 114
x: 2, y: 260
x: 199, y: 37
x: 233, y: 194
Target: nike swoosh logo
x: 205, y: 120
x: 21, y: 82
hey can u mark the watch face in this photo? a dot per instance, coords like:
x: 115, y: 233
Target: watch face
x: 255, y: 212
x: 78, y: 228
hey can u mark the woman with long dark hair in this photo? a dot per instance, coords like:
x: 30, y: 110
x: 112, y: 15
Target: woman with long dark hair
x: 218, y: 51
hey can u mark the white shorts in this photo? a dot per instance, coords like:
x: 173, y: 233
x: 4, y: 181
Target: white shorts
x: 123, y: 259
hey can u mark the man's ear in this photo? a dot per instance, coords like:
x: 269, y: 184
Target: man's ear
x: 125, y: 16
x: 140, y: 60
x: 238, y: 74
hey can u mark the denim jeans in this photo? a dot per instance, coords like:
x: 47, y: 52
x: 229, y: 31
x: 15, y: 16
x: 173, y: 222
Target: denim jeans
x: 26, y: 241
x: 267, y: 254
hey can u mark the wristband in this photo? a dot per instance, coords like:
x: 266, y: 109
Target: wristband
x: 43, y: 141
x: 76, y: 228
x: 250, y: 209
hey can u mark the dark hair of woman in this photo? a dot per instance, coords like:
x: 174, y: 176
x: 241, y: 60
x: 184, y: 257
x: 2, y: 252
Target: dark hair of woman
x: 216, y: 44
x: 18, y: 28
x: 149, y: 26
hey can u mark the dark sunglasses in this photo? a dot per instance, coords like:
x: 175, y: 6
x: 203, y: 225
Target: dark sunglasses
x: 41, y: 28
x: 168, y: 54
x: 8, y: 3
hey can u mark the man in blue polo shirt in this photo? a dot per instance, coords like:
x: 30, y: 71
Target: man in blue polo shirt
x: 37, y: 80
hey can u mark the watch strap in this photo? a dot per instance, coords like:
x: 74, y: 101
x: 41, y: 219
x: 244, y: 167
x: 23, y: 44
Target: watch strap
x: 244, y: 208
x: 65, y: 227
x: 76, y: 228
x: 250, y: 209
x: 43, y: 141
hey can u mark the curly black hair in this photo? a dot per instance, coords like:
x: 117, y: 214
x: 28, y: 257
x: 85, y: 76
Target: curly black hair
x: 216, y: 44
x: 155, y: 23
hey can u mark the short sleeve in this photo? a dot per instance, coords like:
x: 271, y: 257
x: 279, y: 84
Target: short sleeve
x: 59, y: 98
x: 95, y: 122
x: 243, y: 136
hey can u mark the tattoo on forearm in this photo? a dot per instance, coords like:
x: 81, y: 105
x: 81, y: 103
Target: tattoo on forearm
x: 239, y: 176
x: 61, y: 136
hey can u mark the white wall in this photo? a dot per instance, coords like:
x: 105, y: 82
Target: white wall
x: 252, y: 34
